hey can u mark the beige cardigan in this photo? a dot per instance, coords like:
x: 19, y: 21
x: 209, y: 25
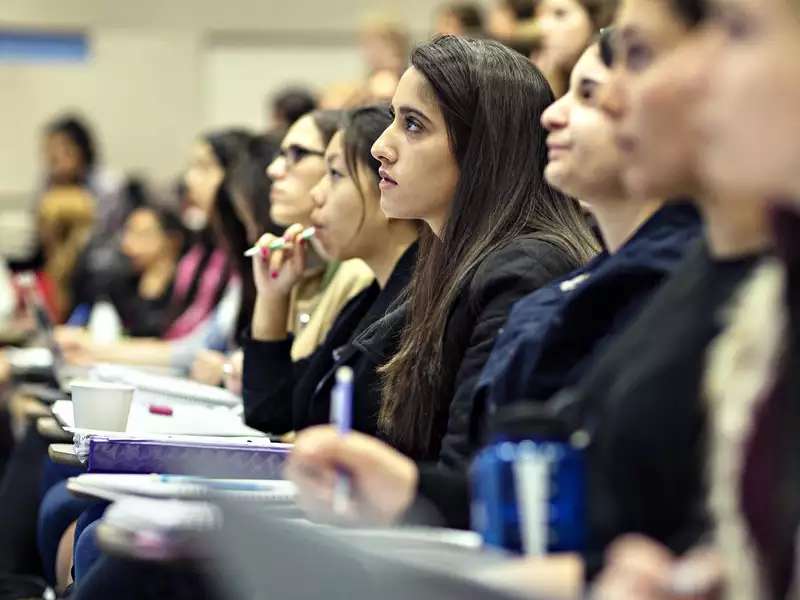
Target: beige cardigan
x: 318, y: 299
x: 741, y: 366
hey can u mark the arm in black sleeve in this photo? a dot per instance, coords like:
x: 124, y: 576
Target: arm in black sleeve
x: 268, y: 382
x: 442, y: 499
x: 511, y: 273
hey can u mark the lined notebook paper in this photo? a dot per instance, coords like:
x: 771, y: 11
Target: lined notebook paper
x: 165, y: 386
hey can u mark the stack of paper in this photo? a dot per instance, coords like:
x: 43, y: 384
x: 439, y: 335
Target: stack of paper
x: 115, y: 486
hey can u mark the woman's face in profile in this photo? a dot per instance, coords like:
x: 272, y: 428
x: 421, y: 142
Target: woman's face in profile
x: 652, y: 130
x: 341, y: 216
x: 583, y: 160
x: 297, y: 168
x: 418, y: 168
x: 565, y: 29
x: 751, y: 56
x: 203, y: 177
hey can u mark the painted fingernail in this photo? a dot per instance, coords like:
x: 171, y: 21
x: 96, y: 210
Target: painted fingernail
x: 274, y: 274
x: 303, y: 242
x: 264, y: 252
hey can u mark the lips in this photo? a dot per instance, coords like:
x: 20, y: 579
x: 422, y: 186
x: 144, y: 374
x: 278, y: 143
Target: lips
x: 385, y: 177
x: 555, y: 148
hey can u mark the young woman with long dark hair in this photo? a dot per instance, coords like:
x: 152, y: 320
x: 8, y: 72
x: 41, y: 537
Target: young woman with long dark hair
x: 466, y: 154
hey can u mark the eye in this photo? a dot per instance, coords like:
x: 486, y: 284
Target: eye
x: 737, y: 26
x: 638, y: 56
x: 412, y: 125
x: 335, y: 175
x: 559, y: 13
x: 586, y: 91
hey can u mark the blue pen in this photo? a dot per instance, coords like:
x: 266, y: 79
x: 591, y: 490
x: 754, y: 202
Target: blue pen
x: 342, y: 418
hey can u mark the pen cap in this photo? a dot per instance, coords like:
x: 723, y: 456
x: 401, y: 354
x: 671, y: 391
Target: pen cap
x: 342, y: 399
x: 344, y: 375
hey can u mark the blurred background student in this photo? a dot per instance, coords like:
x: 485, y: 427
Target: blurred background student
x: 564, y: 28
x: 206, y: 294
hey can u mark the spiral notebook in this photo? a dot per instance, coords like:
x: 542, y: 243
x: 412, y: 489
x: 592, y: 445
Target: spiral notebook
x: 208, y: 458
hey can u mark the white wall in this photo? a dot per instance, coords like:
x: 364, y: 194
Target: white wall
x: 238, y: 79
x: 163, y: 70
x: 141, y: 89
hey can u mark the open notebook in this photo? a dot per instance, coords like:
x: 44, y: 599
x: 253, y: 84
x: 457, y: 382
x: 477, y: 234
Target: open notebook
x: 188, y: 418
x: 165, y: 386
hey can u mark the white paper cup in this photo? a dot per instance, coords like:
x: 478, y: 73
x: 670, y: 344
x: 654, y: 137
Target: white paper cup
x: 101, y: 405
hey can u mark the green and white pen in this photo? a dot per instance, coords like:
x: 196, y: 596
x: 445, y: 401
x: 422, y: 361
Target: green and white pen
x: 280, y: 243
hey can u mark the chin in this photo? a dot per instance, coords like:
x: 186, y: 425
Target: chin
x: 640, y: 184
x: 388, y: 208
x: 555, y: 177
x: 280, y: 218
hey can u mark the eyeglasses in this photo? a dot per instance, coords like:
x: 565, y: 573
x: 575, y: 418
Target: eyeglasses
x: 294, y: 153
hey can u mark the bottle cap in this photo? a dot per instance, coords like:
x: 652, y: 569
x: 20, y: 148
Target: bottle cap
x: 527, y: 420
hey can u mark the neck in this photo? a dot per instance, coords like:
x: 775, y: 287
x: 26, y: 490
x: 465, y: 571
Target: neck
x: 383, y: 261
x: 735, y: 226
x: 618, y: 220
x: 156, y: 278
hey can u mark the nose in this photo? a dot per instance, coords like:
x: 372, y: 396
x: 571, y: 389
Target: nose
x: 383, y: 150
x: 611, y: 96
x: 277, y: 168
x: 555, y: 117
x: 318, y: 192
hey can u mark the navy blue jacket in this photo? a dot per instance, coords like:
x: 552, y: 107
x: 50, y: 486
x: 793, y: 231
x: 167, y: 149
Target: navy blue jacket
x: 554, y: 334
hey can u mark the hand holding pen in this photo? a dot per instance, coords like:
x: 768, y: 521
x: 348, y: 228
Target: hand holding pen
x: 279, y: 262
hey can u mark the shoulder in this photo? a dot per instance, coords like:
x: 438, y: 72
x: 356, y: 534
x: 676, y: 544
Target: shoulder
x: 351, y: 274
x: 349, y: 279
x: 525, y: 261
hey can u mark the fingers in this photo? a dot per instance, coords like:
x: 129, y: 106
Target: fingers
x: 358, y: 453
x: 278, y: 258
x: 636, y: 567
x: 698, y: 575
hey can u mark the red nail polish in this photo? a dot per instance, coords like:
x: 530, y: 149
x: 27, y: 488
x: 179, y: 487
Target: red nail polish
x: 264, y: 252
x: 274, y: 274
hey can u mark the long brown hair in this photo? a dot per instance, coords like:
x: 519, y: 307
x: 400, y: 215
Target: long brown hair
x: 492, y: 100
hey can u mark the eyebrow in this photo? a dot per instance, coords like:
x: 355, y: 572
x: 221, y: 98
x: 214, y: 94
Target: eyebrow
x: 627, y: 33
x: 408, y: 110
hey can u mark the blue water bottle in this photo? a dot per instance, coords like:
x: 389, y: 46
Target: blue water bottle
x: 528, y: 484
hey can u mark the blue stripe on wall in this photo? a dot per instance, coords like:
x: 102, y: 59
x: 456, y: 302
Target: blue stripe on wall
x: 43, y: 47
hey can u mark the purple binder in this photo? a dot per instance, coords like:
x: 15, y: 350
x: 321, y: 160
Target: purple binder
x: 186, y: 458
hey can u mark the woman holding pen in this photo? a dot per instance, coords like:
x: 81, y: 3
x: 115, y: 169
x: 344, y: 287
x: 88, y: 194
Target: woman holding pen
x: 280, y: 394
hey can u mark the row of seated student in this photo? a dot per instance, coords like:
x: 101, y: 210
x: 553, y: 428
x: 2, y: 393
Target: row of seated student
x: 492, y: 256
x: 654, y: 354
x: 209, y: 293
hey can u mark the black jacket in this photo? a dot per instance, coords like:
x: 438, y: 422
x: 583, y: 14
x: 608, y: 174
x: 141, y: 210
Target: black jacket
x: 281, y: 396
x: 554, y: 334
x: 640, y: 403
x: 523, y: 265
